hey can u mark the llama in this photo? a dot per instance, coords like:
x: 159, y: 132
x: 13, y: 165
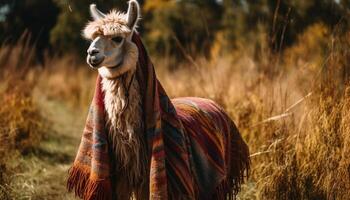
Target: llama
x: 139, y: 144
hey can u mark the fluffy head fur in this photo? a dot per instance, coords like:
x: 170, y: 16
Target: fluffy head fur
x: 114, y: 23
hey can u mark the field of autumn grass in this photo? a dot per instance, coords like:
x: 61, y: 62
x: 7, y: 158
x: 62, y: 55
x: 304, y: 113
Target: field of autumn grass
x: 292, y: 108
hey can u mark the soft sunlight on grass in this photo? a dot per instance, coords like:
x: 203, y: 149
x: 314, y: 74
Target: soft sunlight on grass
x: 293, y: 111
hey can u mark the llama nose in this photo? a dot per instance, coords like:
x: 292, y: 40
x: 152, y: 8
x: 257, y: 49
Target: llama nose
x: 93, y: 51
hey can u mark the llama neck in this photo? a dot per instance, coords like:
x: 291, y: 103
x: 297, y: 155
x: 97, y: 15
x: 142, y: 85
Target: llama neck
x: 124, y: 119
x: 122, y: 97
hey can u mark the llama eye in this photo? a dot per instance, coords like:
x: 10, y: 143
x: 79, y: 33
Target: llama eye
x: 117, y: 39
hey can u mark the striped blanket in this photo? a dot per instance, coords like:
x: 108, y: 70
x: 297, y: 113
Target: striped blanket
x: 195, y: 150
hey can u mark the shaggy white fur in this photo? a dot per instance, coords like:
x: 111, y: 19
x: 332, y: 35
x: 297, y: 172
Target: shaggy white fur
x: 124, y: 117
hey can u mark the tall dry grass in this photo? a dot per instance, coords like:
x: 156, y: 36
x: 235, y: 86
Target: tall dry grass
x: 68, y: 80
x: 21, y: 124
x: 293, y: 110
x: 295, y: 122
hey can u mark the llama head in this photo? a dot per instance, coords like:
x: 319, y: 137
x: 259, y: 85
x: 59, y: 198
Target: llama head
x: 111, y: 50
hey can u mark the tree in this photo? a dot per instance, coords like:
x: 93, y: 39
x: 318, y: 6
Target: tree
x: 232, y: 23
x: 35, y: 16
x: 181, y: 27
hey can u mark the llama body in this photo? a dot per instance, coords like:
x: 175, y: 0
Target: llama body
x: 130, y: 163
x: 155, y: 148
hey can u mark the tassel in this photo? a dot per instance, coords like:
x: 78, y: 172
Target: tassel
x: 238, y: 169
x: 84, y: 187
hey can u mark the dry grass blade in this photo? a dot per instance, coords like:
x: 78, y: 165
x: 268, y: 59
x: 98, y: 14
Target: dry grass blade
x: 274, y: 118
x: 287, y: 113
x: 259, y: 153
x: 298, y: 102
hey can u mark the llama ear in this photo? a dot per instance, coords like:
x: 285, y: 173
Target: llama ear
x: 95, y: 13
x: 133, y: 14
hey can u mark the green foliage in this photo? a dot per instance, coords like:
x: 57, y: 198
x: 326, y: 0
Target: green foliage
x: 180, y: 28
x: 35, y: 16
x: 232, y: 24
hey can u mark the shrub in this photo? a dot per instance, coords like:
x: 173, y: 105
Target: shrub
x: 21, y: 123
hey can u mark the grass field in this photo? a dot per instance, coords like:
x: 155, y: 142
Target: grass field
x: 292, y: 109
x: 41, y: 173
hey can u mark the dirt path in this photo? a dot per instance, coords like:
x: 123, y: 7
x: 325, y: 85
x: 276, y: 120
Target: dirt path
x: 44, y: 171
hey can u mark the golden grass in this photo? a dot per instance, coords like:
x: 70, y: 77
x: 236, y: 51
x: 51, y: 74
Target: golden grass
x: 21, y: 124
x: 293, y: 113
x: 66, y: 79
x: 295, y: 122
x: 298, y: 137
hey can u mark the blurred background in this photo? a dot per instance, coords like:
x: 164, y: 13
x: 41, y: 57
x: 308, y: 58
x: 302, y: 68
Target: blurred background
x: 280, y: 69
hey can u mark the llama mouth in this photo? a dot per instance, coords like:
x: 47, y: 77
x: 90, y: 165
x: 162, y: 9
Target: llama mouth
x: 93, y: 62
x: 96, y: 64
x: 116, y: 66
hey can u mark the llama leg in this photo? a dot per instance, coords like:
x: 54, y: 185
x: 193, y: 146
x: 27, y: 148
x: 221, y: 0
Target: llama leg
x: 122, y: 190
x: 142, y: 193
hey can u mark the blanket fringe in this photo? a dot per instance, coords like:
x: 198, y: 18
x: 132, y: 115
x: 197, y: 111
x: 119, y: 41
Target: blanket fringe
x: 238, y: 170
x: 84, y: 187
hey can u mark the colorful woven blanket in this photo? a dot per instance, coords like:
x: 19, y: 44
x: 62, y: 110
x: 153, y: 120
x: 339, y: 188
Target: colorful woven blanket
x: 194, y: 148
